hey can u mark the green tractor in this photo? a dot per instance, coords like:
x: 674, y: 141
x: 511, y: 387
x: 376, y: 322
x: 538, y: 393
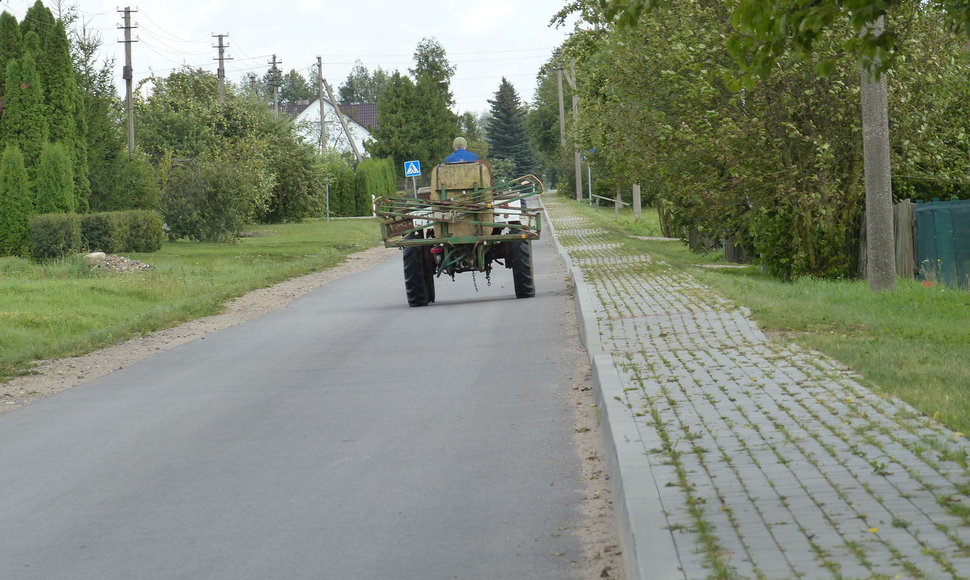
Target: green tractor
x: 464, y: 222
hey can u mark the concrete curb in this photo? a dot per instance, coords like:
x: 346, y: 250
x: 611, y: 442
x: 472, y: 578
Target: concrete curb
x: 649, y: 552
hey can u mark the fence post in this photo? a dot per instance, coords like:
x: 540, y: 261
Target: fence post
x: 636, y: 200
x: 905, y: 241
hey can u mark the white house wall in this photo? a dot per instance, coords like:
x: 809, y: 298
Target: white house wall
x: 308, y: 125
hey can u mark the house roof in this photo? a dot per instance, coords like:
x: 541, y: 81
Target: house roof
x: 364, y: 113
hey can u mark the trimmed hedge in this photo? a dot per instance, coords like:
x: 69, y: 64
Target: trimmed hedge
x: 53, y: 235
x: 59, y: 234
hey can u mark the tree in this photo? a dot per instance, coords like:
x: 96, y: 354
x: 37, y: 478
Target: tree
x: 11, y: 45
x: 768, y: 30
x: 362, y: 86
x: 15, y: 203
x: 295, y: 88
x: 54, y: 184
x: 24, y: 120
x: 542, y: 125
x: 398, y: 135
x: 416, y: 121
x: 431, y: 62
x: 507, y: 137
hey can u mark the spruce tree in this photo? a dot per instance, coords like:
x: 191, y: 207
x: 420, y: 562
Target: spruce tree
x: 15, y: 204
x: 507, y: 136
x: 54, y: 184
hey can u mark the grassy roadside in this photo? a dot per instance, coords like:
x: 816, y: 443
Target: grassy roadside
x: 64, y: 309
x: 913, y: 342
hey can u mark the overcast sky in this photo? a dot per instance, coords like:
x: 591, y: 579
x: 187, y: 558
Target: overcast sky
x: 484, y: 39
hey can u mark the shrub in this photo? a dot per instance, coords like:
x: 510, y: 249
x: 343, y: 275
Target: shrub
x: 15, y: 204
x: 54, y: 235
x: 145, y: 231
x: 100, y: 232
x: 54, y: 181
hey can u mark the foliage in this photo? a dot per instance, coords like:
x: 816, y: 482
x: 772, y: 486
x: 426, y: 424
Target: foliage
x: 54, y: 235
x: 122, y: 231
x: 10, y: 42
x: 776, y: 167
x: 298, y: 188
x: 416, y: 119
x: 24, y: 120
x: 54, y: 182
x: 295, y: 88
x: 769, y: 33
x: 211, y: 198
x: 542, y: 126
x: 16, y: 206
x: 375, y: 178
x: 125, y: 181
x: 472, y: 129
x: 507, y: 136
x: 362, y: 86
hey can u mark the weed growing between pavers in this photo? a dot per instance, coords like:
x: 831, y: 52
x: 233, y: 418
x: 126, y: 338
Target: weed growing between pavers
x: 858, y: 445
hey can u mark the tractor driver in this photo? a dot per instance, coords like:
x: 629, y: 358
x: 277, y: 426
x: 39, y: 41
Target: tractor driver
x: 460, y: 154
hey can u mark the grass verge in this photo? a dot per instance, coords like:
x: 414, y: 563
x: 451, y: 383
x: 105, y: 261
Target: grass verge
x: 912, y: 342
x: 64, y: 308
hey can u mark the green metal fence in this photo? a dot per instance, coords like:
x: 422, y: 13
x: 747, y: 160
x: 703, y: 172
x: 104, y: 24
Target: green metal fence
x: 943, y: 241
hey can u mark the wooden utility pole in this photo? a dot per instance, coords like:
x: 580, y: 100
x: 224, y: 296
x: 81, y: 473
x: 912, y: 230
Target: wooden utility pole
x: 275, y: 79
x: 577, y: 157
x: 252, y: 84
x: 323, y: 108
x: 221, y: 71
x: 880, y: 242
x: 343, y: 122
x: 562, y: 110
x: 129, y: 77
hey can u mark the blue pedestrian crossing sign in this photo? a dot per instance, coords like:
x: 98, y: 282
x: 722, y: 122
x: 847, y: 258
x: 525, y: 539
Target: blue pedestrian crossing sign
x: 412, y: 168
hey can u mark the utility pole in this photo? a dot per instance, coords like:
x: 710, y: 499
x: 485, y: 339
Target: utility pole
x: 562, y: 111
x: 275, y: 79
x: 252, y: 84
x: 343, y: 122
x: 323, y: 108
x: 880, y: 242
x: 221, y: 73
x: 129, y: 77
x: 577, y: 157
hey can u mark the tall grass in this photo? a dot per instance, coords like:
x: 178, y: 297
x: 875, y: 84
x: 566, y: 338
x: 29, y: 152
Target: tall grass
x: 912, y: 342
x: 64, y: 308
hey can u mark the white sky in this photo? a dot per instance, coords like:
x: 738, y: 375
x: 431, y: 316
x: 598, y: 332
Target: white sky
x: 484, y: 39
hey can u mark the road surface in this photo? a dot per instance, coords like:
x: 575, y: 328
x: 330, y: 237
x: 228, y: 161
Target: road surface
x: 344, y: 436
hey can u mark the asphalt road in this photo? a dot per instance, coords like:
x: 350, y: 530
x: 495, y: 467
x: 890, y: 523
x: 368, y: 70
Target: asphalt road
x: 345, y: 436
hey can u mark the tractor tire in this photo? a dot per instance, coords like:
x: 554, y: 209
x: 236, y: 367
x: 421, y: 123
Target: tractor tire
x: 416, y: 276
x: 429, y: 269
x: 519, y: 258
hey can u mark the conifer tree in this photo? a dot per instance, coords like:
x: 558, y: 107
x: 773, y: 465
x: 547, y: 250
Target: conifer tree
x: 506, y: 129
x: 15, y: 203
x: 23, y: 122
x: 54, y: 184
x: 11, y: 45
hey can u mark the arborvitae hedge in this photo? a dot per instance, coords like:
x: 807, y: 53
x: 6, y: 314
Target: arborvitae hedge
x: 54, y: 181
x: 16, y: 206
x: 55, y: 235
x: 375, y: 177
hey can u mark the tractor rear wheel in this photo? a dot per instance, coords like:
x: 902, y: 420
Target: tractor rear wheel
x: 519, y: 256
x: 416, y: 276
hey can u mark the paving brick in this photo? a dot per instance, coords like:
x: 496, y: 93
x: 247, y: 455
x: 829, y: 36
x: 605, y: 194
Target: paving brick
x: 799, y: 452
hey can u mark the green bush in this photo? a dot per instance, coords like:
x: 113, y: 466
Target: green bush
x: 122, y: 231
x: 54, y: 181
x: 145, y: 231
x: 54, y: 235
x: 375, y: 177
x: 100, y: 232
x: 15, y: 203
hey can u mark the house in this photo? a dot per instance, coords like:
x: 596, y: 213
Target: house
x: 361, y: 118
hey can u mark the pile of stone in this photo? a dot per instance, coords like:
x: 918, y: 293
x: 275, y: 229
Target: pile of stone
x: 108, y: 263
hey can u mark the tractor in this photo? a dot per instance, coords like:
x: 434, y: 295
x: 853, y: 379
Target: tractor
x: 463, y: 222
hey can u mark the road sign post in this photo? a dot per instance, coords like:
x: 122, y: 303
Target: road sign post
x: 412, y: 169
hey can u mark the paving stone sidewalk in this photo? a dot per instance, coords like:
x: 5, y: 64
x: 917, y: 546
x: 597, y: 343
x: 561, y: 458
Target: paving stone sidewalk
x: 736, y: 456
